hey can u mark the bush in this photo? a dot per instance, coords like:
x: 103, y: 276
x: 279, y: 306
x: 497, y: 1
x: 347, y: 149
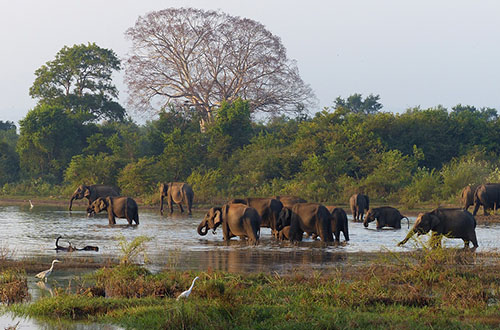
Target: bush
x: 462, y: 172
x: 140, y: 178
x: 425, y: 186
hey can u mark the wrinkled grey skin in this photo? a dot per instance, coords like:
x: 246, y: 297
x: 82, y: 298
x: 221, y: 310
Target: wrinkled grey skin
x: 117, y: 207
x: 340, y: 224
x: 386, y: 216
x: 487, y: 195
x: 289, y: 201
x: 268, y: 208
x: 93, y: 192
x: 359, y: 203
x: 236, y: 220
x: 306, y: 217
x: 452, y: 223
x: 467, y: 196
x: 176, y: 192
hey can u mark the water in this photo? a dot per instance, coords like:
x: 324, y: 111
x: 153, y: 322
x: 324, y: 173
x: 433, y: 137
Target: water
x: 176, y: 244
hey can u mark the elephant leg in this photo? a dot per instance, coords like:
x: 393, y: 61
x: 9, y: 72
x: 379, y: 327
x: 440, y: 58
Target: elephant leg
x: 485, y: 212
x: 180, y: 207
x: 129, y: 218
x: 466, y: 243
x: 435, y: 240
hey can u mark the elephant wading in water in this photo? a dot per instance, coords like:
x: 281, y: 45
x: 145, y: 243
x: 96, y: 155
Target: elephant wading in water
x: 487, y: 195
x: 467, y: 196
x: 176, y: 192
x: 93, y: 192
x: 268, y: 208
x: 117, y: 207
x: 236, y: 220
x: 306, y: 217
x: 339, y: 222
x: 359, y: 203
x: 289, y: 201
x: 451, y: 223
x: 386, y: 216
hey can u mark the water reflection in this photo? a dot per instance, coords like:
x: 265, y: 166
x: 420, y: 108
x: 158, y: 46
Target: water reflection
x: 175, y: 243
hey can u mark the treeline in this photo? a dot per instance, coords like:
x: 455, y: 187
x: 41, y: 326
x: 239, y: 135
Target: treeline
x: 416, y: 156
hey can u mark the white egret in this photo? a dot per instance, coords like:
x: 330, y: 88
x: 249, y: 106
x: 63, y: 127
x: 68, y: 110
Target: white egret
x: 186, y: 293
x: 31, y: 204
x: 43, y: 275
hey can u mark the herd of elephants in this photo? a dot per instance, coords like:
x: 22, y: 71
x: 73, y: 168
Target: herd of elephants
x: 289, y: 217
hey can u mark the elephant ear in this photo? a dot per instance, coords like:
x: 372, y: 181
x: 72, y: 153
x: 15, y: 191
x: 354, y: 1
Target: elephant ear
x: 434, y: 221
x: 86, y: 190
x: 217, y: 218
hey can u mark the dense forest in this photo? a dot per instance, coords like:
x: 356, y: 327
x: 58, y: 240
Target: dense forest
x: 79, y: 133
x: 415, y: 156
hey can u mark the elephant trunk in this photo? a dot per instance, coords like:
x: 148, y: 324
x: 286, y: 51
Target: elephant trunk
x: 71, y: 202
x: 203, y: 228
x: 408, y: 236
x: 365, y: 223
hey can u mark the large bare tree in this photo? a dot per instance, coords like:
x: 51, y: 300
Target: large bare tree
x: 203, y: 57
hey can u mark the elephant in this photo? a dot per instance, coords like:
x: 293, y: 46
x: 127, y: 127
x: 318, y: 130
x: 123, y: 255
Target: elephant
x: 119, y: 207
x: 359, y: 203
x: 467, y: 196
x: 268, y: 209
x: 386, y: 216
x: 236, y: 220
x: 284, y: 234
x: 306, y: 217
x: 176, y: 192
x: 487, y: 195
x: 339, y: 222
x: 93, y: 192
x: 452, y: 223
x: 289, y: 201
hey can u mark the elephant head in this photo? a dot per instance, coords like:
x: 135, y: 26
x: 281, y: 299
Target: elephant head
x: 372, y: 215
x: 164, y: 187
x: 100, y: 204
x: 284, y: 218
x: 80, y: 192
x: 424, y: 223
x: 212, y: 220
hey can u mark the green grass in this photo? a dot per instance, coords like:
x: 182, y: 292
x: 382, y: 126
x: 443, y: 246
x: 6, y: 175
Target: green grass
x: 442, y: 288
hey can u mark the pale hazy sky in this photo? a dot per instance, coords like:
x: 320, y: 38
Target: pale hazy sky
x: 412, y: 53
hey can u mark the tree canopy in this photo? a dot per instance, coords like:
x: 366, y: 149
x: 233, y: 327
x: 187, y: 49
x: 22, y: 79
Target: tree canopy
x: 203, y: 58
x: 79, y: 79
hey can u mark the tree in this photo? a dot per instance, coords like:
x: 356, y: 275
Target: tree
x: 356, y: 104
x: 206, y: 57
x: 49, y: 137
x: 79, y: 80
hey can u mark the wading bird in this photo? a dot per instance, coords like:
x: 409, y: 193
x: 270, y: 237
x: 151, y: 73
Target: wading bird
x: 186, y: 293
x: 31, y: 204
x: 43, y: 275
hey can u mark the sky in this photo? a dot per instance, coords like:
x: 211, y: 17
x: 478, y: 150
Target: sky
x: 411, y: 53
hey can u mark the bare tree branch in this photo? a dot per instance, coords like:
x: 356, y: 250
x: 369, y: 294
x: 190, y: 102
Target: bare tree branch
x: 205, y: 57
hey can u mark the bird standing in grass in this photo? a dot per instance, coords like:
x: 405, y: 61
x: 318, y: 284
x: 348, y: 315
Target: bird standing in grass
x: 43, y: 275
x: 186, y: 293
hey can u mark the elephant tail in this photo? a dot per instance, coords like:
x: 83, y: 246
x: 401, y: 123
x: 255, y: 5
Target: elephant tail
x: 407, y: 220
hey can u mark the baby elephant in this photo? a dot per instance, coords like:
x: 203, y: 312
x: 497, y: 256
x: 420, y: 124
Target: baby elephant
x: 386, y: 216
x: 120, y: 207
x: 284, y: 234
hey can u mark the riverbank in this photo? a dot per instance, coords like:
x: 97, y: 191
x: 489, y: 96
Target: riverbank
x: 443, y: 288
